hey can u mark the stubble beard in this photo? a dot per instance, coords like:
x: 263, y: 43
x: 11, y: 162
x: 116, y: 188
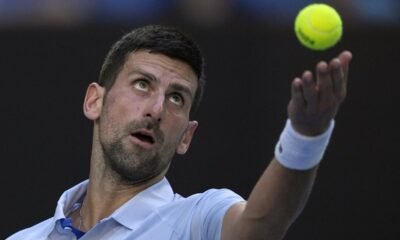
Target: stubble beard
x: 134, y: 164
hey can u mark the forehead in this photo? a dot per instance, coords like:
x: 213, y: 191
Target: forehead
x: 161, y: 67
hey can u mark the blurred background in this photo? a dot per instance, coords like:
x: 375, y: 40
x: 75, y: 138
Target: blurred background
x: 50, y: 50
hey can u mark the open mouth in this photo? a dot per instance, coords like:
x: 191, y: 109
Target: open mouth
x: 144, y: 137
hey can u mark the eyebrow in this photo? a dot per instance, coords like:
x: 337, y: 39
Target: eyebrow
x: 180, y: 88
x: 147, y: 75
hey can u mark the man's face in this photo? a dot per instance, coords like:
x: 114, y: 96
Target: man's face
x: 145, y: 115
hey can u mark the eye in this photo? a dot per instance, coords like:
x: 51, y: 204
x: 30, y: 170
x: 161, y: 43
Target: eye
x: 142, y: 85
x: 176, y: 99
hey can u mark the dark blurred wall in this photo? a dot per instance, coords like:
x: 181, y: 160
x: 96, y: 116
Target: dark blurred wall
x: 46, y: 140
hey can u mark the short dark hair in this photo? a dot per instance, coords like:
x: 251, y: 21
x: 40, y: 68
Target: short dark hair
x: 157, y: 39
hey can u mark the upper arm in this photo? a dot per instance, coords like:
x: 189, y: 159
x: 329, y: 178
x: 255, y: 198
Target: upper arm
x: 232, y: 216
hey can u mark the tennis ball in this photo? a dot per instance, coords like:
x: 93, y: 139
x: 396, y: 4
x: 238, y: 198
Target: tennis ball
x: 318, y: 26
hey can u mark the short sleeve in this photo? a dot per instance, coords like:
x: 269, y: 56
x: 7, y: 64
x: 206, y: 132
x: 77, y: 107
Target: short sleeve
x: 210, y: 212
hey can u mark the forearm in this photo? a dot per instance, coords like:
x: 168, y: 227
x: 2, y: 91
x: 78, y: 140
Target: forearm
x: 276, y: 201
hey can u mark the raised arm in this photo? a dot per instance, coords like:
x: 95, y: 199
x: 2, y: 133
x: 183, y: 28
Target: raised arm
x: 282, y: 191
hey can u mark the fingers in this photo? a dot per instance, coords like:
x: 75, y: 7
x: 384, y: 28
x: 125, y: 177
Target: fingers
x: 324, y: 81
x: 345, y: 58
x: 332, y: 77
x: 309, y: 90
x: 297, y: 93
x: 338, y: 79
x: 342, y: 62
x: 339, y: 68
x: 304, y: 93
x: 330, y: 84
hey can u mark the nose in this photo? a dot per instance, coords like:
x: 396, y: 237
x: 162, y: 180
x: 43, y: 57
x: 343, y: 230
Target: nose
x: 155, y: 107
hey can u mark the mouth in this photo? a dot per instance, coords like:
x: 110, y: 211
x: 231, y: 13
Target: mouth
x: 144, y: 137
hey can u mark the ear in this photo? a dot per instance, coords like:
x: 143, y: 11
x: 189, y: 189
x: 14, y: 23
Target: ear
x: 93, y: 102
x: 187, y: 138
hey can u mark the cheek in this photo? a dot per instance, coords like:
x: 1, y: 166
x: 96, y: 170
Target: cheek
x: 177, y: 113
x: 123, y: 106
x: 114, y: 117
x: 174, y: 126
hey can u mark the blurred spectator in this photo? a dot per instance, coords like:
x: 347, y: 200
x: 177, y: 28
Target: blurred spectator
x: 59, y: 12
x: 200, y: 12
x: 274, y: 11
x: 378, y: 12
x: 206, y: 13
x: 42, y: 12
x: 128, y: 11
x: 284, y: 11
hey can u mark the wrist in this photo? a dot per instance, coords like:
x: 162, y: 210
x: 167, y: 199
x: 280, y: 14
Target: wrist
x: 300, y: 152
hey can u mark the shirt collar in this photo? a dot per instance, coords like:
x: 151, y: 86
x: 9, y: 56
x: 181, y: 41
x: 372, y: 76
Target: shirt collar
x: 131, y: 213
x: 69, y: 198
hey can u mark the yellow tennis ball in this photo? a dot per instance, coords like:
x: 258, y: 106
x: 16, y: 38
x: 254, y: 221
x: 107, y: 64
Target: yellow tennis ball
x: 318, y: 26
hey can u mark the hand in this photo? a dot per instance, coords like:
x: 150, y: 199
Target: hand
x: 314, y: 103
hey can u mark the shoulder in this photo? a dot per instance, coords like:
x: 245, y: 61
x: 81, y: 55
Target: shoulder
x: 38, y: 231
x: 217, y: 195
x: 214, y: 198
x: 211, y: 206
x: 202, y: 201
x: 200, y: 215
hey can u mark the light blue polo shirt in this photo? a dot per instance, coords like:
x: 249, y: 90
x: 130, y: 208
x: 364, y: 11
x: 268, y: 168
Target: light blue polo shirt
x: 154, y: 214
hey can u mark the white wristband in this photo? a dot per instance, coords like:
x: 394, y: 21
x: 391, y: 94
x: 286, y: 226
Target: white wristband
x: 299, y: 152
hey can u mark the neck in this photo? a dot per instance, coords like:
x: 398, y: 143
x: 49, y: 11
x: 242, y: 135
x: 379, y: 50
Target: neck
x: 103, y: 198
x: 106, y: 193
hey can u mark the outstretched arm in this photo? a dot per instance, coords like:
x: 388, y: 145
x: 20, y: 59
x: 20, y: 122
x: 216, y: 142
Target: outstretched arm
x: 281, y: 193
